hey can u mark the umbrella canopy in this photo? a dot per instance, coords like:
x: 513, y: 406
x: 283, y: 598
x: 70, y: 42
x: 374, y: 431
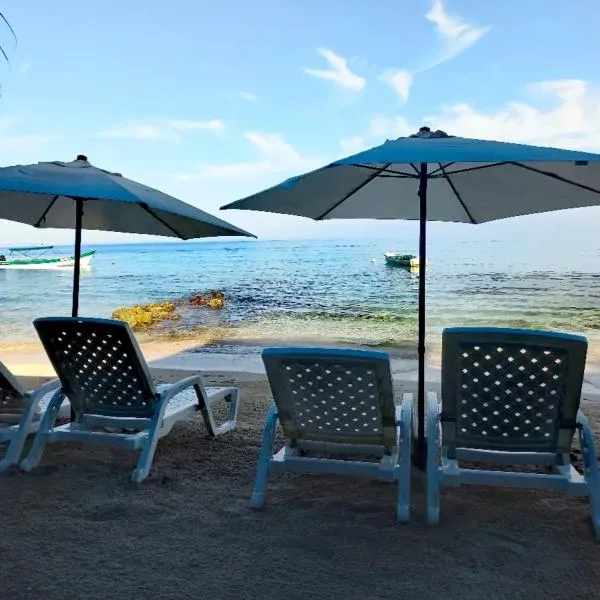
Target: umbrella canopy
x: 470, y: 181
x: 43, y: 195
x: 455, y: 179
x: 78, y: 195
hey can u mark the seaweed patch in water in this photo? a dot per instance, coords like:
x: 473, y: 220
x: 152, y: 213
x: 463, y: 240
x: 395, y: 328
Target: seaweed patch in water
x: 141, y: 317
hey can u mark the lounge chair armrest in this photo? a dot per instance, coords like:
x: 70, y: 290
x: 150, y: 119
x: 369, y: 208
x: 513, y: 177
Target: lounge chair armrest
x: 183, y: 384
x: 433, y: 420
x: 272, y: 415
x: 44, y: 389
x: 404, y: 422
x: 404, y: 412
x: 433, y: 404
x: 407, y: 403
x: 221, y: 393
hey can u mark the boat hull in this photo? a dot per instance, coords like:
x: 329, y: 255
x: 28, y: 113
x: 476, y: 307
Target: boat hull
x: 406, y: 261
x: 58, y: 263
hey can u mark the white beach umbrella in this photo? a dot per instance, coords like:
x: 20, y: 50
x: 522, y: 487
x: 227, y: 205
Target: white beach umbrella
x: 80, y: 196
x: 437, y: 177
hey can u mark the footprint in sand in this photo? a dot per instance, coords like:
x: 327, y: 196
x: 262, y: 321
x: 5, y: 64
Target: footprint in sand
x: 43, y: 470
x: 107, y: 513
x: 496, y: 540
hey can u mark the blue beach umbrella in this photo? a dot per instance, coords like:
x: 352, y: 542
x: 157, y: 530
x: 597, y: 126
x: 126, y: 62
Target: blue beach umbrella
x: 77, y: 195
x: 437, y: 177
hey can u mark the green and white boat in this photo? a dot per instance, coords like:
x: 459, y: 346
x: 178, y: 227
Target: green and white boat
x: 41, y: 257
x: 396, y: 259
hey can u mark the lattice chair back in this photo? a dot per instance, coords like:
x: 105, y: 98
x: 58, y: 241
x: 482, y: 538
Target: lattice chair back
x: 510, y: 389
x: 12, y: 393
x: 337, y: 396
x: 100, y: 366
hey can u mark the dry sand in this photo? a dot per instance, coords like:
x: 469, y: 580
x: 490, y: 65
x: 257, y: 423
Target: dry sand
x: 78, y: 528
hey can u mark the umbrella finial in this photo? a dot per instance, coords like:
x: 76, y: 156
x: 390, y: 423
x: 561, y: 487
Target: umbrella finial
x: 425, y: 132
x: 82, y: 157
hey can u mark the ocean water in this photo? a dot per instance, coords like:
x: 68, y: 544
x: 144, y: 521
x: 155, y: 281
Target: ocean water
x: 338, y: 291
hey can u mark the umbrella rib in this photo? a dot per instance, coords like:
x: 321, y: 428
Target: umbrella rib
x: 479, y: 167
x: 352, y: 192
x: 392, y: 171
x: 441, y: 168
x: 458, y: 197
x: 145, y: 207
x: 46, y: 211
x: 555, y: 176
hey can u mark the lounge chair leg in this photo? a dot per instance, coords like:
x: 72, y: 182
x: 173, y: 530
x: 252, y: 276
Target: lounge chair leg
x: 142, y: 469
x: 590, y: 465
x: 260, y: 485
x: 433, y: 442
x: 43, y: 433
x: 405, y: 426
x: 207, y: 414
x: 15, y: 447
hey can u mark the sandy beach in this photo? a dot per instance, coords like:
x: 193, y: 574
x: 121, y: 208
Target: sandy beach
x: 78, y: 527
x: 242, y: 357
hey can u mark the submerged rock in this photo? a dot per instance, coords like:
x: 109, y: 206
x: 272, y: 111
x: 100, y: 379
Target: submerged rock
x: 213, y: 299
x: 143, y: 316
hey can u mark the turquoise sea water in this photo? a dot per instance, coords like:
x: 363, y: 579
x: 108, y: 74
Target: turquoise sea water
x: 330, y: 290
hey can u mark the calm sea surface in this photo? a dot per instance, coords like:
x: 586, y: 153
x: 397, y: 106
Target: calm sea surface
x: 324, y: 289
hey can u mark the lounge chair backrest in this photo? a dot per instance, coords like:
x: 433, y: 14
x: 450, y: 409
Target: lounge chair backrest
x: 323, y: 395
x: 99, y: 364
x: 510, y: 389
x: 12, y: 392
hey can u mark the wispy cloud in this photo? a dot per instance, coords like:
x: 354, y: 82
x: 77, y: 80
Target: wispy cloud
x: 275, y: 155
x: 457, y: 35
x: 214, y: 125
x: 29, y: 142
x: 248, y: 97
x: 138, y: 132
x: 353, y: 145
x: 380, y: 128
x: 22, y: 146
x: 400, y: 81
x: 339, y: 72
x: 572, y: 121
x: 389, y: 127
x: 24, y: 67
x: 165, y: 130
x: 561, y: 113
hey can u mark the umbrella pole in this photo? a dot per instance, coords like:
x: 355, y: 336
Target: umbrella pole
x: 77, y: 254
x: 421, y: 444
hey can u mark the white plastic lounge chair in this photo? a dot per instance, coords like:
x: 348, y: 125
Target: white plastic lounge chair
x: 104, y: 375
x: 335, y: 402
x: 510, y: 396
x: 21, y: 413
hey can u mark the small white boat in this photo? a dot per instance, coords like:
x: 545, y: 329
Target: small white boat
x: 397, y: 259
x: 40, y: 257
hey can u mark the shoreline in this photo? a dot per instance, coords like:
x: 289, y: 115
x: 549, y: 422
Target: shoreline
x: 227, y: 359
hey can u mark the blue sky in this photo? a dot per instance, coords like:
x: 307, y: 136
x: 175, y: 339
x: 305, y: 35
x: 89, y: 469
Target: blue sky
x: 214, y: 101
